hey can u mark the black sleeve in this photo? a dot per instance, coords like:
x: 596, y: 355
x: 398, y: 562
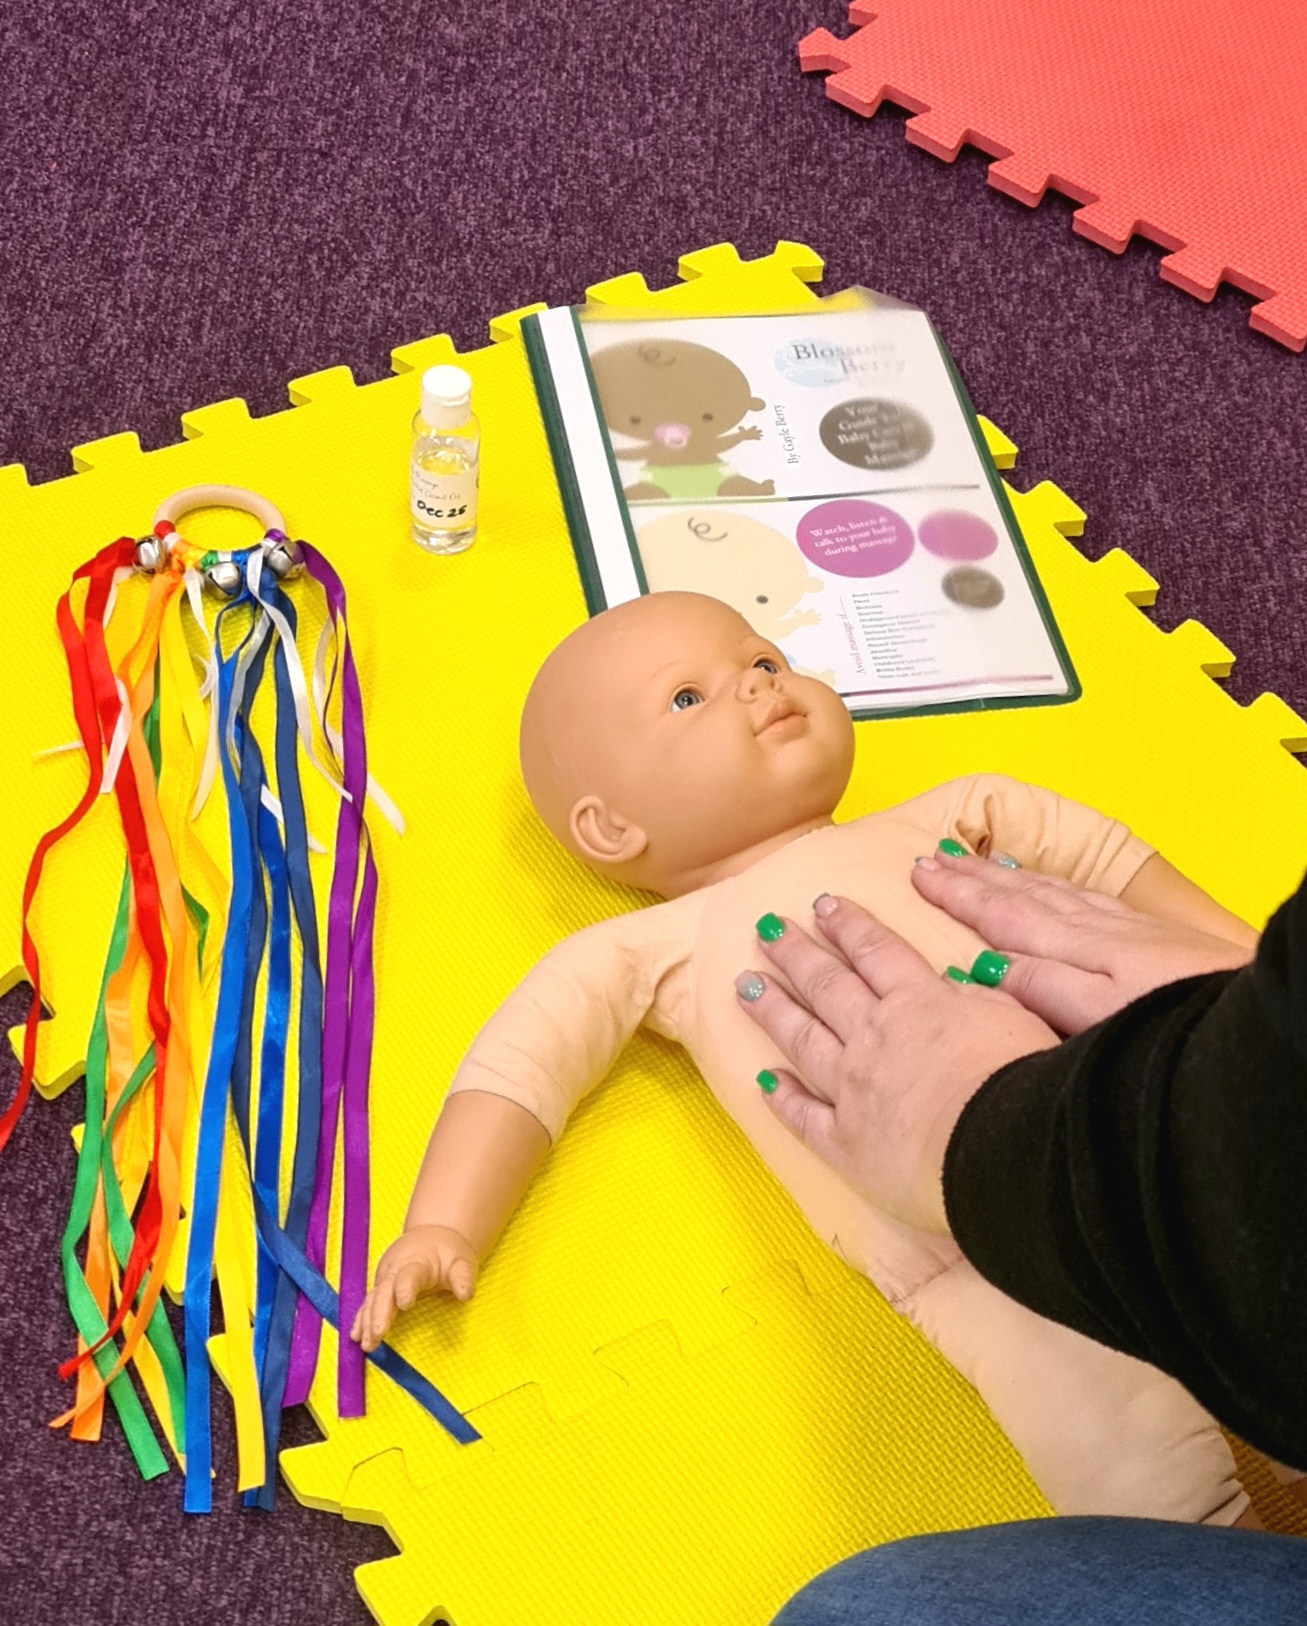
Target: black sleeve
x: 1146, y: 1184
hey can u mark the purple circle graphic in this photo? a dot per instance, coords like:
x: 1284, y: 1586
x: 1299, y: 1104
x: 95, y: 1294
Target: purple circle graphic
x: 850, y: 537
x: 952, y: 533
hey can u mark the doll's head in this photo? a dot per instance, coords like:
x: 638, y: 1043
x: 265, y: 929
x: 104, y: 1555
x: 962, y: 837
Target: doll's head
x: 664, y: 737
x: 678, y: 397
x: 748, y: 565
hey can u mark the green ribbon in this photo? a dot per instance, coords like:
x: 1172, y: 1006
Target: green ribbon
x: 96, y: 1155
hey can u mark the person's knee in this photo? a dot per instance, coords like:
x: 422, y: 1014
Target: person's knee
x: 1062, y: 1572
x: 912, y: 1582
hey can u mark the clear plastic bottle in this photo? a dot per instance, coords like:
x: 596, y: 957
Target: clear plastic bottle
x: 444, y: 463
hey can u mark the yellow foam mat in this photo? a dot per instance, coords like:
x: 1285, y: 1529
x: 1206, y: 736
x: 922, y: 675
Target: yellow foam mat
x: 688, y: 1405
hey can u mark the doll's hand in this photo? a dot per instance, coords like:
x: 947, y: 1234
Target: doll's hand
x: 885, y: 1052
x: 1074, y: 957
x: 426, y: 1259
x: 751, y: 433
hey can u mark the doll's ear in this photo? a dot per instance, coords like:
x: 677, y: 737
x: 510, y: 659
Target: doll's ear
x: 756, y: 403
x: 602, y: 835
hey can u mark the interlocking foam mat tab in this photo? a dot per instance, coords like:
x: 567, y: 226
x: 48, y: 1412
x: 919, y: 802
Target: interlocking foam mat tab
x: 688, y: 1406
x: 1182, y: 120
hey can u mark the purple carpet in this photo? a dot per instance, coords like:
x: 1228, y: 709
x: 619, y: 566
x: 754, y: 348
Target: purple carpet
x: 206, y: 200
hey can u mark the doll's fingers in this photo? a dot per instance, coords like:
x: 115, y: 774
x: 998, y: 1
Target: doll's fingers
x: 823, y: 981
x: 382, y: 1313
x: 811, y: 1120
x: 882, y: 959
x: 801, y: 1038
x: 462, y: 1279
x: 409, y: 1281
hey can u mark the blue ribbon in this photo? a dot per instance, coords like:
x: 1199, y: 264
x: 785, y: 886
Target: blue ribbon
x: 283, y: 1267
x: 198, y: 1496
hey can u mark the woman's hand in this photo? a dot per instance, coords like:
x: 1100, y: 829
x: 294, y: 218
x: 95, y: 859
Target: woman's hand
x: 1075, y: 957
x: 885, y: 1053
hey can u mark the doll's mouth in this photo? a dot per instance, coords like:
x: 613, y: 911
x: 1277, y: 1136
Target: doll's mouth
x: 780, y: 716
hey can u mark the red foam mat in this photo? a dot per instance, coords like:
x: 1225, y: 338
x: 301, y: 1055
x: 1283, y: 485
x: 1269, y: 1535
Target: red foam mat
x: 1182, y: 120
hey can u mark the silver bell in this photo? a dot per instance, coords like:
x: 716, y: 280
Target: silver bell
x: 226, y: 577
x: 150, y: 555
x: 285, y: 560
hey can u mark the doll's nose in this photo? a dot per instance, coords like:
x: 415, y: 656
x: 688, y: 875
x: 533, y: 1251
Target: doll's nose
x: 672, y: 435
x: 755, y: 682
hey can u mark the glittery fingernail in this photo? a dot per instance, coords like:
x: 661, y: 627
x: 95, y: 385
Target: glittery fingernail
x: 767, y: 1081
x: 990, y: 968
x: 770, y: 927
x: 951, y: 848
x: 750, y: 986
x: 955, y: 973
x: 823, y: 904
x: 1005, y: 860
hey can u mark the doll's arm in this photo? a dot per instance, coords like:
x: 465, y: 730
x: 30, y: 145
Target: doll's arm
x: 1041, y: 830
x: 1159, y: 889
x: 553, y: 1038
x: 483, y: 1154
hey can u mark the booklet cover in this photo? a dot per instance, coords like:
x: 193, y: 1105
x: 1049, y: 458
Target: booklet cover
x: 823, y: 473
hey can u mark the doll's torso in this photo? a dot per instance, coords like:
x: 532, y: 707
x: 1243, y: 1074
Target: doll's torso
x: 672, y: 967
x: 870, y: 861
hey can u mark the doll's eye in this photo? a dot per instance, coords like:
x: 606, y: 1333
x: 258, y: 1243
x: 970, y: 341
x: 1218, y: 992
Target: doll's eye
x: 683, y: 699
x: 707, y: 417
x: 761, y: 599
x: 765, y: 662
x: 635, y: 420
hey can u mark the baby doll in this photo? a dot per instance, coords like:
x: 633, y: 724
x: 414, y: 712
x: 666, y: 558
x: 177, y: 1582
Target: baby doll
x: 669, y: 746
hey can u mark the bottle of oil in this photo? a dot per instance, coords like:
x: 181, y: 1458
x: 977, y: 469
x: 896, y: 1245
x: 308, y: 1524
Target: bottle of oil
x: 444, y: 463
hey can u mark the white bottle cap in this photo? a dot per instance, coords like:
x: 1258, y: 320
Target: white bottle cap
x: 446, y: 397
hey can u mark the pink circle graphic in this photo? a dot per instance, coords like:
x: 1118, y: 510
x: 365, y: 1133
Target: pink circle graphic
x: 850, y: 537
x: 952, y: 533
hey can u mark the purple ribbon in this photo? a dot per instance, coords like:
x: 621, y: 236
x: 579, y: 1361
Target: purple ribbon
x: 348, y: 1008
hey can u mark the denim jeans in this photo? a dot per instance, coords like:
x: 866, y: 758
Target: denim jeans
x: 1065, y: 1572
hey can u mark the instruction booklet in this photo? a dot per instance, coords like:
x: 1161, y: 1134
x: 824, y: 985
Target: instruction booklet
x: 823, y: 473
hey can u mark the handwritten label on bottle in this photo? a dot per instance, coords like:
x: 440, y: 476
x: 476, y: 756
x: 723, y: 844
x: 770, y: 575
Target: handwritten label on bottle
x: 443, y: 501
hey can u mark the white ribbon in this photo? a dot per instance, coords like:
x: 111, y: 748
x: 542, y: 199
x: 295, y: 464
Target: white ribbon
x: 322, y: 688
x: 194, y: 584
x: 275, y: 808
x: 118, y: 744
x: 294, y: 671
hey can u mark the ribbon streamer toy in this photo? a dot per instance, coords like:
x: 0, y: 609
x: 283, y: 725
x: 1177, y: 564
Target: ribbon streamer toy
x: 193, y: 1113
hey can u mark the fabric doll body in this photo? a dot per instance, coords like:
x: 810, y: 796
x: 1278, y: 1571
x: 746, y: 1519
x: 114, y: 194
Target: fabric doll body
x: 1100, y: 1432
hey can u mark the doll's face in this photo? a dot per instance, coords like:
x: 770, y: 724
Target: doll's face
x: 672, y: 718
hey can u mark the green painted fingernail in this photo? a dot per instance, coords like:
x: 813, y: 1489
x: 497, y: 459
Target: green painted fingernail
x: 990, y: 968
x: 770, y: 927
x: 954, y: 849
x: 955, y: 973
x: 767, y: 1081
